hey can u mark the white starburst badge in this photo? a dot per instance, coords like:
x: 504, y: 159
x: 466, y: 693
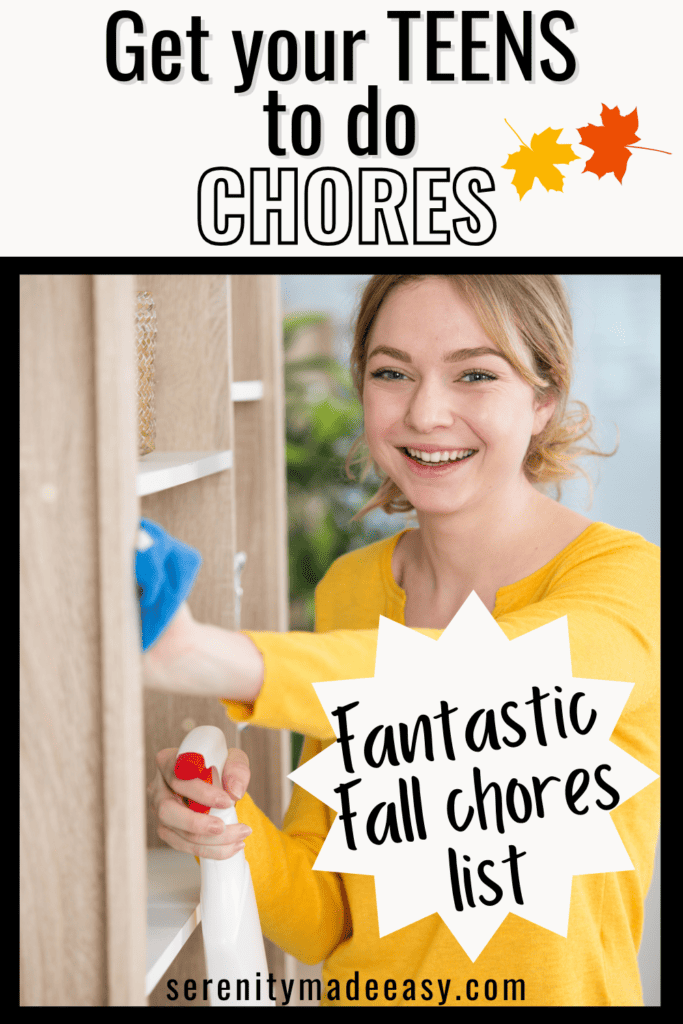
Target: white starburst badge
x: 473, y: 776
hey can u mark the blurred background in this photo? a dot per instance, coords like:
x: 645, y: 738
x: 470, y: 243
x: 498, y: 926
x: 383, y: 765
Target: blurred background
x: 617, y: 374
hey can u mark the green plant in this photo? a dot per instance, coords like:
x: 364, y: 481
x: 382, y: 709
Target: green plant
x: 324, y: 417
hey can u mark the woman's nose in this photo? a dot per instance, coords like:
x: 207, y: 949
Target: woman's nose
x: 432, y: 405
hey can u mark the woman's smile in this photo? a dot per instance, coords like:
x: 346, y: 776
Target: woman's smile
x: 448, y: 462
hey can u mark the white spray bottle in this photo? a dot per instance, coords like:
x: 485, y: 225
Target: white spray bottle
x: 233, y: 942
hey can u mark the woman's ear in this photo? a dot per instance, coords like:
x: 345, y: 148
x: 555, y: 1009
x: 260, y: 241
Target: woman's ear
x: 543, y: 415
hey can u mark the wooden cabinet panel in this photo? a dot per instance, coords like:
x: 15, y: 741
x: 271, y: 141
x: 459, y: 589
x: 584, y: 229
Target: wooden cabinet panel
x: 88, y: 732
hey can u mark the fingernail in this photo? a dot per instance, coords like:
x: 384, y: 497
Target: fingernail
x: 236, y: 787
x: 245, y: 830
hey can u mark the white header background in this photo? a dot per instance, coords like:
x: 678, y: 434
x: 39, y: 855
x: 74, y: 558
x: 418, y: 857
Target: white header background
x: 95, y: 167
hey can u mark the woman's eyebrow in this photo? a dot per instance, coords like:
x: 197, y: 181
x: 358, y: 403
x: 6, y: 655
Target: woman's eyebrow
x: 451, y: 357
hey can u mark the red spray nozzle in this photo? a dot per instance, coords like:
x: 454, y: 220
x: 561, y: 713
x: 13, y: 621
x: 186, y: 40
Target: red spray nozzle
x: 190, y: 765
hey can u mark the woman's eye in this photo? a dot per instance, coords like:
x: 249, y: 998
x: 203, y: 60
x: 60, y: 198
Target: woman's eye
x: 477, y: 374
x: 481, y: 374
x: 380, y: 374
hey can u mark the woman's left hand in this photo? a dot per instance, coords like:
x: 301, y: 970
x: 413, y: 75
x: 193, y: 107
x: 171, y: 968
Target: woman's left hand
x: 194, y: 831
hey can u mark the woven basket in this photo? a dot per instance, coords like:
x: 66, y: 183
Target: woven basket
x: 145, y: 341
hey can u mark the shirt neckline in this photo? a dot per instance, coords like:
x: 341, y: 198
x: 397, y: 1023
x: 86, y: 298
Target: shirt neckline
x: 400, y: 593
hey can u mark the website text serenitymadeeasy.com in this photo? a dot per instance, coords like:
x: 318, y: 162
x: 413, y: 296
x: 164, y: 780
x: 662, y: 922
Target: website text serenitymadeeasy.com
x: 310, y: 990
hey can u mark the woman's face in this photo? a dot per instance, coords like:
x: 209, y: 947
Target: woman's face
x: 431, y: 392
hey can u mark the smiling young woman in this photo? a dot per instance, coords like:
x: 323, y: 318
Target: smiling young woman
x: 475, y: 370
x: 479, y: 367
x: 525, y: 320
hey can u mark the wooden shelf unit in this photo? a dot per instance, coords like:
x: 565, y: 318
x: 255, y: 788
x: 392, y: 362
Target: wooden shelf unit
x: 89, y: 732
x: 160, y: 470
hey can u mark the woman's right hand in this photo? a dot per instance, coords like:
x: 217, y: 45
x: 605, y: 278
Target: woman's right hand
x: 161, y: 663
x: 191, y: 831
x: 203, y: 660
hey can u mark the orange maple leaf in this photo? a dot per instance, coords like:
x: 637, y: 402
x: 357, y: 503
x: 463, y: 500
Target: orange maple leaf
x: 609, y: 141
x: 538, y: 161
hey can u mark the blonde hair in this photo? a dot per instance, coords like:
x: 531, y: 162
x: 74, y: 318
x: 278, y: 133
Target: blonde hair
x: 528, y: 317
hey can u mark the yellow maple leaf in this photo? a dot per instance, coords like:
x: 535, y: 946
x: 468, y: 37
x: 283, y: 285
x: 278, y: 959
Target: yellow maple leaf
x: 538, y: 161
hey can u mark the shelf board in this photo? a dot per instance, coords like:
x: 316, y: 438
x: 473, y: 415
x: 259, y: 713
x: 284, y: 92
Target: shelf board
x: 246, y: 390
x: 173, y: 912
x: 160, y: 470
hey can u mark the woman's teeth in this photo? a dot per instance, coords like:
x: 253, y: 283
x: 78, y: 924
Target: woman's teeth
x: 429, y: 458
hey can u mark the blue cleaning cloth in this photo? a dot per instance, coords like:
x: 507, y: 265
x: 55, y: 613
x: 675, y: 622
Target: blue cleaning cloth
x: 166, y: 570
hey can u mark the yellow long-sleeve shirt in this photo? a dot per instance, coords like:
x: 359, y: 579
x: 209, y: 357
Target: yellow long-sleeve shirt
x: 607, y: 583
